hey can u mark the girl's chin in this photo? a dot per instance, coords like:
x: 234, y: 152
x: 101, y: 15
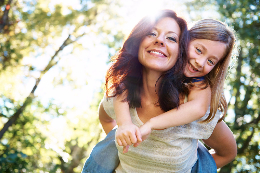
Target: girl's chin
x: 188, y: 74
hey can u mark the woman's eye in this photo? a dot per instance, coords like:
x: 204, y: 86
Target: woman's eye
x: 152, y: 34
x: 172, y: 39
x: 198, y: 50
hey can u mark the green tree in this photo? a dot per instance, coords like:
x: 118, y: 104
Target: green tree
x: 41, y: 31
x: 244, y: 79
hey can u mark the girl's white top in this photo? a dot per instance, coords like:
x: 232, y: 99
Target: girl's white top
x: 170, y: 150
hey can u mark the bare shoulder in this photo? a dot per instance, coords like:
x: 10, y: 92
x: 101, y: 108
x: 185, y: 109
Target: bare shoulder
x: 197, y: 93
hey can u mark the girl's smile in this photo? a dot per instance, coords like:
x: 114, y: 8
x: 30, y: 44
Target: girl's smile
x: 203, y: 56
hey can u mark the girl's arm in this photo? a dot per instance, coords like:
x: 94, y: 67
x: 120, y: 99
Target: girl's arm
x: 194, y: 109
x: 106, y: 121
x: 127, y: 133
x: 223, y: 144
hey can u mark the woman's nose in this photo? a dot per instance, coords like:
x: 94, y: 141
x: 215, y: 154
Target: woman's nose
x: 160, y: 40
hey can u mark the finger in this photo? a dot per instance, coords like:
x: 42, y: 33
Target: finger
x: 138, y: 136
x: 124, y: 143
x: 119, y: 142
x: 125, y: 149
x: 133, y: 138
x: 127, y: 140
x: 136, y: 144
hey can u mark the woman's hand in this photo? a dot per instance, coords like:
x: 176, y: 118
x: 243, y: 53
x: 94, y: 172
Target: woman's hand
x: 128, y: 134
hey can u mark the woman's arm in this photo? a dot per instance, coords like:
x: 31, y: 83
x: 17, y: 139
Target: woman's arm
x: 106, y: 121
x: 223, y: 144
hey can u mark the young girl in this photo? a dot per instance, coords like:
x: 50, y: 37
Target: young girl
x: 172, y: 149
x: 209, y: 52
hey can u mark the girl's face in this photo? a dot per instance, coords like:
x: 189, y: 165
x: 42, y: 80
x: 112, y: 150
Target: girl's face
x: 159, y: 49
x: 203, y: 56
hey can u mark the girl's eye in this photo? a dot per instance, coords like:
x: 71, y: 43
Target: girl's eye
x: 172, y: 39
x: 198, y: 51
x: 211, y: 62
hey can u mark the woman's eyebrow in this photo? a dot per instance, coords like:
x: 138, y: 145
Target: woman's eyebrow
x: 171, y: 32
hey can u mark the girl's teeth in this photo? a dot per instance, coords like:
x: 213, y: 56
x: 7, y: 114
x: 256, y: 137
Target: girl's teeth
x: 193, y: 68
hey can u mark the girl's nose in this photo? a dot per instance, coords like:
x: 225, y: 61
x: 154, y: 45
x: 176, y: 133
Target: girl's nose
x: 200, y: 62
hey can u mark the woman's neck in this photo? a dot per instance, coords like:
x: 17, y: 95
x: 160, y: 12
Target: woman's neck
x: 149, y: 97
x: 150, y: 85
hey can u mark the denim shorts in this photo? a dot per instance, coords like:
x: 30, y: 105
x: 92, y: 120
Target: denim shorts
x: 104, y: 158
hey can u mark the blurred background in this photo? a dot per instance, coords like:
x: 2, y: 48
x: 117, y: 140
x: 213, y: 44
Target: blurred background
x: 53, y: 59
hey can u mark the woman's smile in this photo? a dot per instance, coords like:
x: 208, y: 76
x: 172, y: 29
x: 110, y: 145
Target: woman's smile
x: 159, y: 49
x: 157, y: 53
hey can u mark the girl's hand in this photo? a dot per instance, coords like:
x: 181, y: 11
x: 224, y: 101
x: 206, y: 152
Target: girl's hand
x: 145, y: 130
x: 128, y: 134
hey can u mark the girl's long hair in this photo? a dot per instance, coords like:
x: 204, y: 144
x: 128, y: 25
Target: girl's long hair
x: 125, y: 73
x: 216, y: 31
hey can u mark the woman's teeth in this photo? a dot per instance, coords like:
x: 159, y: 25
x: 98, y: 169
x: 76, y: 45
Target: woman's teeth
x: 158, y: 53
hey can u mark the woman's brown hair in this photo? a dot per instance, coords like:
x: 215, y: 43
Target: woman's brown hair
x: 125, y: 73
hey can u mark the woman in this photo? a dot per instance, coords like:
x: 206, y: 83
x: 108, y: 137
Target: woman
x: 157, y: 58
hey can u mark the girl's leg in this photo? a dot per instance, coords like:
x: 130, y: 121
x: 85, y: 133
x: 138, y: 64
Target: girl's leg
x: 205, y: 162
x: 104, y: 156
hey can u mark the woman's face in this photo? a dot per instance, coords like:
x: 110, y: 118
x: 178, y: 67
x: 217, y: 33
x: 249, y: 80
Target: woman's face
x: 159, y: 49
x: 203, y: 56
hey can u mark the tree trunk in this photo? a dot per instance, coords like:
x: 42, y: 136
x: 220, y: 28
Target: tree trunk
x: 4, y: 20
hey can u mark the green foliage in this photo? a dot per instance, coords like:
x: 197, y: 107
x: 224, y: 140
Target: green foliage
x: 47, y: 136
x: 12, y: 160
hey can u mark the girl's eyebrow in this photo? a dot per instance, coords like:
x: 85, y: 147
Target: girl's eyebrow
x: 202, y: 46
